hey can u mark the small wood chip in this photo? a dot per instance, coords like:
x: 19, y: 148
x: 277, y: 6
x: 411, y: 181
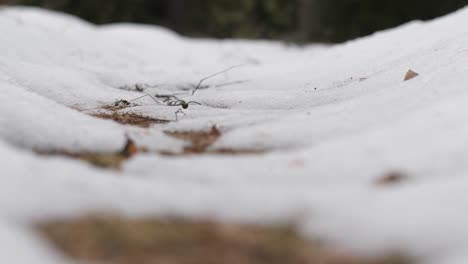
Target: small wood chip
x: 410, y: 75
x: 391, y: 178
x: 130, y: 149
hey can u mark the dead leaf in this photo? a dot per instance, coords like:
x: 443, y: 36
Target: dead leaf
x: 410, y: 75
x: 130, y: 149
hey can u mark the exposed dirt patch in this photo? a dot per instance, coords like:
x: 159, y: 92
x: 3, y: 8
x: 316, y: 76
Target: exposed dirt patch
x: 102, y: 160
x: 124, y: 241
x: 131, y: 119
x: 200, y: 140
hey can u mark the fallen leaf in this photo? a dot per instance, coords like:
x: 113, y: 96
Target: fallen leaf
x: 130, y: 149
x: 410, y: 75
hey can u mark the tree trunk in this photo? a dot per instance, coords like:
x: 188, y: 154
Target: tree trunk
x: 309, y: 25
x: 178, y: 13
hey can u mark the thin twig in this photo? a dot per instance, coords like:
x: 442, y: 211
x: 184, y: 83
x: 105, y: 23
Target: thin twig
x: 231, y: 83
x: 89, y: 109
x: 215, y: 74
x: 146, y: 95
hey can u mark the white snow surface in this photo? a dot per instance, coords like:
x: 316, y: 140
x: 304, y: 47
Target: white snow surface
x: 332, y: 120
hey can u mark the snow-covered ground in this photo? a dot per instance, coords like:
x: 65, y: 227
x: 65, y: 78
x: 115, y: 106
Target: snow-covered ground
x: 333, y: 120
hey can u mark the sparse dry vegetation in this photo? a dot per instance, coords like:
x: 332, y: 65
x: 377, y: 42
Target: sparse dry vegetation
x: 114, y: 240
x: 106, y: 160
x: 102, y: 160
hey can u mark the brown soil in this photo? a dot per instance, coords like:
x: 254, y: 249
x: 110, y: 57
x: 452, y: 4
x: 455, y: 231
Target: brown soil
x: 114, y: 240
x: 102, y: 160
x: 201, y: 140
x: 131, y: 119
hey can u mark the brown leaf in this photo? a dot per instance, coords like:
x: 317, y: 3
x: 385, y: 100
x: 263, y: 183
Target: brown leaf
x: 410, y: 75
x: 130, y: 149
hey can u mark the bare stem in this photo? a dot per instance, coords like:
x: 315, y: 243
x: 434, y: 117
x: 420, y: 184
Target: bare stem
x: 215, y: 74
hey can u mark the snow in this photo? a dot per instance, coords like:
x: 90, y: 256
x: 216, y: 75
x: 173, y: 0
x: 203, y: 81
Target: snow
x: 23, y: 248
x: 332, y: 120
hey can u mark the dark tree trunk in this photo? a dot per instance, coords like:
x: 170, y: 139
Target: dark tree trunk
x: 309, y: 23
x: 177, y: 13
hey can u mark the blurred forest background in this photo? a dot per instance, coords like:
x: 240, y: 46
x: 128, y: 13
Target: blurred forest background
x: 289, y: 20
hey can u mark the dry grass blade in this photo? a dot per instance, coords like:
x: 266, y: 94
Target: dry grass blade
x: 125, y: 241
x: 213, y: 75
x: 234, y: 152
